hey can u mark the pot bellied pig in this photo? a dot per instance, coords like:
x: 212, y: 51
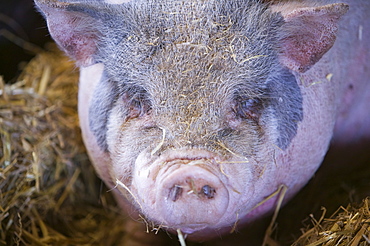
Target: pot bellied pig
x: 198, y: 112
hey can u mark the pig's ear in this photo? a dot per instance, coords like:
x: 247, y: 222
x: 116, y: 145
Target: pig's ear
x: 73, y: 31
x: 308, y: 33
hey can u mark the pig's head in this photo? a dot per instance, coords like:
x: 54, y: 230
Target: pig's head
x: 198, y: 108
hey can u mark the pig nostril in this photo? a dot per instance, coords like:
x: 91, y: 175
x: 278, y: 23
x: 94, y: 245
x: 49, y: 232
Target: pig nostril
x: 208, y: 191
x: 191, y: 198
x: 175, y: 193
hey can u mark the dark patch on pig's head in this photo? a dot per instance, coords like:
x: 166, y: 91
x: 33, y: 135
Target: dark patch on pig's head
x: 107, y: 93
x: 286, y: 104
x: 104, y: 96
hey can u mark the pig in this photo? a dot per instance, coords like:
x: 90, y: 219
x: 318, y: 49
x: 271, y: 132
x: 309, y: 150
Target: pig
x: 202, y: 115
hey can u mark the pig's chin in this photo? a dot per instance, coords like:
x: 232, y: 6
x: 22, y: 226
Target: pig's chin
x: 184, y: 190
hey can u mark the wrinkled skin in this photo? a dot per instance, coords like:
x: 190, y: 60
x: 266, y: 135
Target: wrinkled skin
x: 200, y: 119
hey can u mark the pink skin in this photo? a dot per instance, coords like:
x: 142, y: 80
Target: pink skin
x: 328, y: 102
x: 239, y: 192
x: 353, y: 121
x: 174, y: 183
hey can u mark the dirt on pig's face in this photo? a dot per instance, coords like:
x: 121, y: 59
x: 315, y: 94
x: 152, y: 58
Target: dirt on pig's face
x: 191, y: 107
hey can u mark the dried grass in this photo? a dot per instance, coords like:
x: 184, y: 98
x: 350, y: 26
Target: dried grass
x: 347, y: 226
x: 50, y: 194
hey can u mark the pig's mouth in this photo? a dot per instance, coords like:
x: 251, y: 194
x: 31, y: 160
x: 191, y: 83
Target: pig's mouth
x: 182, y: 192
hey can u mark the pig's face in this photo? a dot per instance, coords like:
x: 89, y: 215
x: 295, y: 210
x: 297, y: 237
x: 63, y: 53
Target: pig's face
x: 195, y: 112
x: 198, y: 107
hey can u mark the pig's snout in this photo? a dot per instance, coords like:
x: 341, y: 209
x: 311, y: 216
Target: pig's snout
x: 176, y: 192
x: 190, y: 198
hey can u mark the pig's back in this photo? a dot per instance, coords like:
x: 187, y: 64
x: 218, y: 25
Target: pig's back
x: 352, y: 57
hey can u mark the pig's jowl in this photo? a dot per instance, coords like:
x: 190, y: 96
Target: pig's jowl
x: 198, y: 111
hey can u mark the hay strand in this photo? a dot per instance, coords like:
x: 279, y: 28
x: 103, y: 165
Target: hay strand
x: 267, y: 239
x: 181, y: 238
x: 347, y: 226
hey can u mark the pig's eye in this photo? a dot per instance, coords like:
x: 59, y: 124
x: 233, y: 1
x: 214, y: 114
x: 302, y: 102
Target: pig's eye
x: 137, y: 105
x: 248, y: 108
